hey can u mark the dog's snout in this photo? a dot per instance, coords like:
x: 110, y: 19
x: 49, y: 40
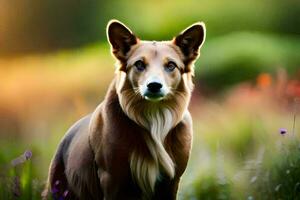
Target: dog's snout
x: 154, y: 87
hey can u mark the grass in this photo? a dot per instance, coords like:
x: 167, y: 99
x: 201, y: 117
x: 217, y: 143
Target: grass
x: 278, y: 176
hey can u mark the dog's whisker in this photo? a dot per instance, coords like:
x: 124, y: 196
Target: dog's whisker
x: 136, y: 90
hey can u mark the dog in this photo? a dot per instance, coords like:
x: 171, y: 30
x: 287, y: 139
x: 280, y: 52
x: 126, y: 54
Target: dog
x: 137, y: 142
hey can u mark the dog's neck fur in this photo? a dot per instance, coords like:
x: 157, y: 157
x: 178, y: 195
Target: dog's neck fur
x: 158, y: 118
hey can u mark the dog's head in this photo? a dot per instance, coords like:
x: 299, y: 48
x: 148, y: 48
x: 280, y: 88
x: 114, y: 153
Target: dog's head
x: 154, y: 70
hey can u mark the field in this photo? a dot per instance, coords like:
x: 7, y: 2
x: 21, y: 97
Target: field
x: 55, y: 67
x: 246, y: 137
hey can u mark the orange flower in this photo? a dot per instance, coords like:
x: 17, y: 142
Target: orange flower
x: 264, y: 80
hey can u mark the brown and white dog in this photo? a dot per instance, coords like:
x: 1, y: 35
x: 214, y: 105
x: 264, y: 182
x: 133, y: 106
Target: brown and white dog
x: 137, y: 142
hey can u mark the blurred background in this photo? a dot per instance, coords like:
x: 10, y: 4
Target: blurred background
x: 55, y: 67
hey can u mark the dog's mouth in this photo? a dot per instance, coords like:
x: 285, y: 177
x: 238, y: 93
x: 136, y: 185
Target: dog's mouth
x: 153, y: 96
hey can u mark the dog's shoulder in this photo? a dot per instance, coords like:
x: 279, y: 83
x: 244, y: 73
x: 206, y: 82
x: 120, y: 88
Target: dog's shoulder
x: 185, y: 127
x: 187, y: 119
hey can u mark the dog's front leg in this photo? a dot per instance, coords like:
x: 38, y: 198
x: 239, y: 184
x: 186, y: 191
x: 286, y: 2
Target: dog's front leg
x: 107, y: 186
x: 167, y: 190
x: 113, y: 189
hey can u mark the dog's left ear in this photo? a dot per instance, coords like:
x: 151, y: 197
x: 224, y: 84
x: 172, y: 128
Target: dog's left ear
x: 121, y: 39
x: 190, y: 40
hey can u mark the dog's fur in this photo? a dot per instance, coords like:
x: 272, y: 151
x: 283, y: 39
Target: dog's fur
x: 131, y: 147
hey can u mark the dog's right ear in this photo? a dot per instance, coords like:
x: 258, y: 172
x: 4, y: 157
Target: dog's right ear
x: 121, y: 39
x: 190, y: 40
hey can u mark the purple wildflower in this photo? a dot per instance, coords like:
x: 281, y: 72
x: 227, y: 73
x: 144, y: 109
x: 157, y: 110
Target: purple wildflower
x: 283, y: 131
x: 57, y: 182
x: 22, y: 158
x: 27, y: 154
x: 55, y: 187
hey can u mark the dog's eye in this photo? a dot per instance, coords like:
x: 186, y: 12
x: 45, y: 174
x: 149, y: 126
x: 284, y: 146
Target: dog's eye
x: 140, y: 65
x: 171, y: 66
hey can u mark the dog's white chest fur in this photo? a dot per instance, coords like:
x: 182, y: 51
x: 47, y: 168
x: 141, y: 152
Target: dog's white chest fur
x: 147, y: 170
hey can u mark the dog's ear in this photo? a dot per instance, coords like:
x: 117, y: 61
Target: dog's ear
x: 121, y: 39
x: 190, y: 40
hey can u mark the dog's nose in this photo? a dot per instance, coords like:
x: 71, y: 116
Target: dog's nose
x: 154, y: 87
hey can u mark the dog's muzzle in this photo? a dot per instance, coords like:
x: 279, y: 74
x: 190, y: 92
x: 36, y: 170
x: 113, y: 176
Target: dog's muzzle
x: 154, y: 91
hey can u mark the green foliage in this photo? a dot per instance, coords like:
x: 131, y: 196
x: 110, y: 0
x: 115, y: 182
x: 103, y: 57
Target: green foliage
x: 210, y: 185
x: 278, y: 177
x: 239, y: 57
x: 210, y: 188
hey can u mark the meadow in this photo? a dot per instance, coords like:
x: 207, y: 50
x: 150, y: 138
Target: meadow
x: 246, y: 138
x: 55, y: 67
